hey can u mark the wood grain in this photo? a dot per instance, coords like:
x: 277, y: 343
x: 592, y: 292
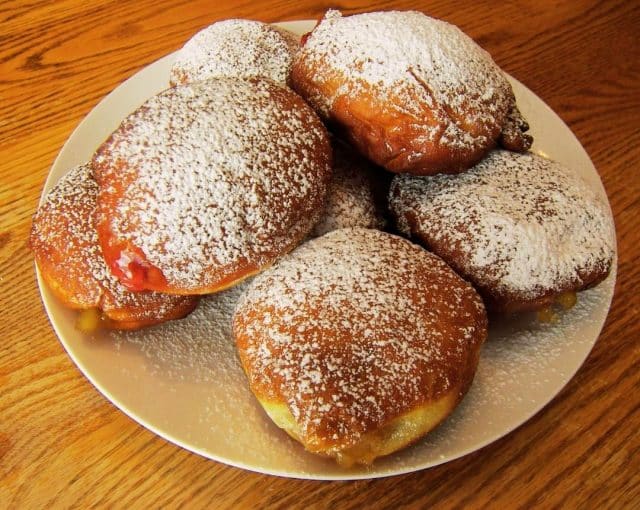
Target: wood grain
x: 63, y: 445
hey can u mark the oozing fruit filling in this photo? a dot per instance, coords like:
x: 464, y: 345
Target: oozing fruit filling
x: 129, y: 264
x: 566, y: 300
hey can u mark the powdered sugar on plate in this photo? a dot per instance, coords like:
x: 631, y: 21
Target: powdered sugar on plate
x: 200, y: 345
x: 518, y: 365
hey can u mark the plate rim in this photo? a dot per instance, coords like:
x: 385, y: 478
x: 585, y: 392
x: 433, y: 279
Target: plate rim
x: 47, y: 298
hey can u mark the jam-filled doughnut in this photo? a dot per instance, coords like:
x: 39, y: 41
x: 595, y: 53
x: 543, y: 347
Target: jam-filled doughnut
x: 238, y: 48
x: 355, y: 196
x: 359, y: 342
x: 412, y: 93
x: 207, y: 183
x: 525, y: 230
x: 65, y: 245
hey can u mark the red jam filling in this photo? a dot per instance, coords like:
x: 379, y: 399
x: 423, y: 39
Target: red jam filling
x: 129, y: 264
x: 303, y: 39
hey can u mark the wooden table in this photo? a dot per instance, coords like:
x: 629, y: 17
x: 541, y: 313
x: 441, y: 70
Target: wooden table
x: 63, y: 444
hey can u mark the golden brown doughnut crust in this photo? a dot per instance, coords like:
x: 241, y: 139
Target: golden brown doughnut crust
x: 412, y: 93
x: 523, y: 229
x: 65, y: 245
x: 238, y: 48
x: 355, y: 329
x: 355, y: 195
x: 207, y: 183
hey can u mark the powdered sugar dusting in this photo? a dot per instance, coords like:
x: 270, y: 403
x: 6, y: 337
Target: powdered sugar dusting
x: 523, y: 364
x: 217, y: 175
x: 192, y: 376
x: 512, y: 382
x: 62, y: 222
x: 410, y: 61
x: 350, y: 199
x: 199, y: 347
x: 353, y: 329
x: 518, y: 223
x: 236, y: 48
x: 63, y: 228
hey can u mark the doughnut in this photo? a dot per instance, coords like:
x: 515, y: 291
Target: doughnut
x: 236, y: 48
x: 65, y: 245
x: 354, y: 194
x: 207, y: 183
x: 525, y: 230
x: 412, y: 93
x: 359, y: 342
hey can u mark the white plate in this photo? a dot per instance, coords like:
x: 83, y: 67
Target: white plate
x: 183, y: 381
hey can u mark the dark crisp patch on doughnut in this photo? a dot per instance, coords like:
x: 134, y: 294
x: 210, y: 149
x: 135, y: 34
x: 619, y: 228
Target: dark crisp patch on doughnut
x: 514, y: 135
x: 213, y: 180
x: 522, y: 228
x: 356, y: 328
